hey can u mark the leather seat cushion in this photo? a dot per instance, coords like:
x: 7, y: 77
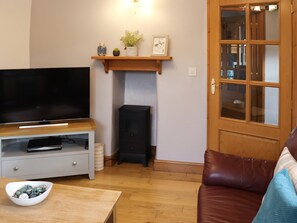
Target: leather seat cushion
x: 218, y: 204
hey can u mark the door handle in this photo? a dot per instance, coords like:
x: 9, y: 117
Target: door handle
x: 213, y: 86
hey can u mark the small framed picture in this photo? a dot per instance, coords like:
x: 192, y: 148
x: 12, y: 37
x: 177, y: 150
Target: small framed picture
x: 160, y: 45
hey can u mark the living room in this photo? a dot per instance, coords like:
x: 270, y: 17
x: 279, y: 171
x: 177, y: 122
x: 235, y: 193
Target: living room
x: 66, y: 33
x: 50, y: 38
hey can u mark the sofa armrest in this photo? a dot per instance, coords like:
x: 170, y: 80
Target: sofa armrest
x: 237, y: 172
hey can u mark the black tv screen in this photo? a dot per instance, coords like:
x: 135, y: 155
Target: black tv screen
x: 44, y: 94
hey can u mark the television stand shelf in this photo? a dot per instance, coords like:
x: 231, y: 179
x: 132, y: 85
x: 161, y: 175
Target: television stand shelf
x: 75, y: 158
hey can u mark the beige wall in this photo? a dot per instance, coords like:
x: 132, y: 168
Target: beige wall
x: 67, y: 32
x: 15, y: 29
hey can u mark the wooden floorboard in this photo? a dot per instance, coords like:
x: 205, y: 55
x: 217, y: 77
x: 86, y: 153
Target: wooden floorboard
x: 148, y: 196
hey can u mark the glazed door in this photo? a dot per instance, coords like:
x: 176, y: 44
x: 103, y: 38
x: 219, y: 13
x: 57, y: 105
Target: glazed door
x: 249, y: 76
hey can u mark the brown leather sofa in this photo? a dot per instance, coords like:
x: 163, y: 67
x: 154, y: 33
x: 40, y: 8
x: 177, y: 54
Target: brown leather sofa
x: 232, y: 188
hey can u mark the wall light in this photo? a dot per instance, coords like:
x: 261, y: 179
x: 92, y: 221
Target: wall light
x: 141, y: 8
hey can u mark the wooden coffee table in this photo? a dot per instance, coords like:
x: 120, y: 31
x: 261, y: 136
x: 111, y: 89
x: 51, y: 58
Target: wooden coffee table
x: 63, y: 204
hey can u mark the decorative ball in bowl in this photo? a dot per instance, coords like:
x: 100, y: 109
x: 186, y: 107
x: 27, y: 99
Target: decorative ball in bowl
x: 28, y: 193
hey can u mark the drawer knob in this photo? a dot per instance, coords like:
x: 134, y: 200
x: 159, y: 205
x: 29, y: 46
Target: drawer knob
x: 16, y: 168
x: 74, y: 163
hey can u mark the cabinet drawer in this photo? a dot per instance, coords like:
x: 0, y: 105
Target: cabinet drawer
x: 31, y: 168
x: 131, y: 135
x: 132, y: 142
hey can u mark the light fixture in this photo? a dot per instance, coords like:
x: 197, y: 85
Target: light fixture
x: 259, y: 8
x: 135, y: 1
x: 256, y: 8
x: 272, y: 7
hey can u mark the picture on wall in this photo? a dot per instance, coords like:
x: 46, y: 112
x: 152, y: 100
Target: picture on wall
x: 160, y: 45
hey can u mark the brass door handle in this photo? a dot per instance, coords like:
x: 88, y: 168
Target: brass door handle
x: 213, y: 86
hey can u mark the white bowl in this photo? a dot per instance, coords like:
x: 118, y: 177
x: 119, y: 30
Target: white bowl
x: 12, y: 187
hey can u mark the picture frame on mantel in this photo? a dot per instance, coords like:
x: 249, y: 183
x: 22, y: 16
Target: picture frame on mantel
x: 160, y: 45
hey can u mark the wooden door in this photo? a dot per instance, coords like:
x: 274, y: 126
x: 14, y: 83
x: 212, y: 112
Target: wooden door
x: 294, y: 25
x: 249, y: 76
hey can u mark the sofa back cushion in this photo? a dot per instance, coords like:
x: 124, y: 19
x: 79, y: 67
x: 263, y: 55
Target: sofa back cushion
x: 237, y: 172
x: 287, y: 161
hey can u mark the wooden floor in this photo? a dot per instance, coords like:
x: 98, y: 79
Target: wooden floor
x: 148, y: 196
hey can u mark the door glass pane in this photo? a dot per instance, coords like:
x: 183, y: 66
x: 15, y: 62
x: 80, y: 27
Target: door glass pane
x: 233, y: 23
x: 265, y: 63
x: 233, y: 61
x: 233, y: 101
x: 264, y: 105
x: 264, y: 22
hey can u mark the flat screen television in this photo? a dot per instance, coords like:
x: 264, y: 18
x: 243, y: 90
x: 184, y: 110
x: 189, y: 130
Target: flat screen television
x: 44, y: 94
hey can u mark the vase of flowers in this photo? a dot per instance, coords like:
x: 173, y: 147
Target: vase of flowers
x: 131, y: 41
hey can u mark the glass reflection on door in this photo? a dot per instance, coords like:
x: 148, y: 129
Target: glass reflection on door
x: 233, y: 102
x: 264, y: 21
x: 265, y: 105
x: 233, y: 23
x: 261, y: 87
x: 233, y: 61
x: 265, y: 63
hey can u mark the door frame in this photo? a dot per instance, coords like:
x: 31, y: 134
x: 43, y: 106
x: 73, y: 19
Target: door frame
x: 294, y: 48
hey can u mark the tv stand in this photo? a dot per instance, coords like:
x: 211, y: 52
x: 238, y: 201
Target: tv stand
x: 75, y: 158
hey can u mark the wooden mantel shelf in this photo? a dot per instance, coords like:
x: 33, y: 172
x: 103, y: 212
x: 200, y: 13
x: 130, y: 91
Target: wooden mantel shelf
x: 124, y: 63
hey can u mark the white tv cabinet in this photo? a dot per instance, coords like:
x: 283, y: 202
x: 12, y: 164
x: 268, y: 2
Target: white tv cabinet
x: 75, y: 158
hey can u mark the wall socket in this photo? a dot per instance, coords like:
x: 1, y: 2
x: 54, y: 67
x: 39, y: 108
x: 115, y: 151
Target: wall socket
x: 192, y: 71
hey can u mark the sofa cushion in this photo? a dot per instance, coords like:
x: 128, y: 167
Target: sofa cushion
x: 280, y: 202
x: 287, y: 161
x: 218, y: 204
x: 237, y: 172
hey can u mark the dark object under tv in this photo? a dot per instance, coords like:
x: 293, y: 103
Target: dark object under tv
x: 44, y: 94
x: 44, y: 144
